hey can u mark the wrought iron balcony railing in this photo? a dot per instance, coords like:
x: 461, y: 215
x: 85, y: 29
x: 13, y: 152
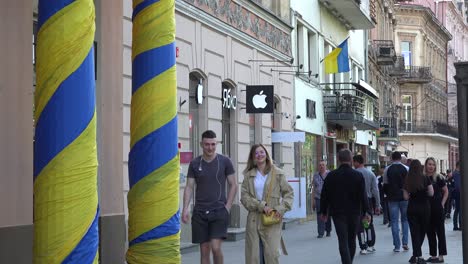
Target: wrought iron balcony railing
x: 436, y: 127
x: 388, y: 127
x: 351, y: 108
x: 415, y: 74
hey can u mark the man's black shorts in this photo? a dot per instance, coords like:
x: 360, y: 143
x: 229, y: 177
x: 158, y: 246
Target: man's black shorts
x: 207, y: 225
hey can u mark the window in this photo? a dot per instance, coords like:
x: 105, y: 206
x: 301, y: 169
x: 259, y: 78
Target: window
x: 226, y: 122
x: 407, y: 112
x: 306, y: 50
x: 278, y: 7
x: 406, y: 53
x: 194, y: 113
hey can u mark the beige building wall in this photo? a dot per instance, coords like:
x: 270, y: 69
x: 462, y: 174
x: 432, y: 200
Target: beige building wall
x: 422, y: 147
x: 16, y: 134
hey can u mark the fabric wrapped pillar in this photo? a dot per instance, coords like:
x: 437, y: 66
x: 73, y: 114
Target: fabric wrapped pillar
x: 65, y: 155
x: 153, y: 199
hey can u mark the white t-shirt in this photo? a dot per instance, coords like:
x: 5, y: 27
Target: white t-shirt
x: 259, y: 184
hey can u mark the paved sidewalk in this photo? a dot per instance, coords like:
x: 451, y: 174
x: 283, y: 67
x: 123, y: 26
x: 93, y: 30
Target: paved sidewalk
x: 304, y: 247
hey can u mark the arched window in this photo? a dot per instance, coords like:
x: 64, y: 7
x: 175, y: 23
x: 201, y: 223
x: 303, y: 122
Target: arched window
x: 229, y: 107
x: 197, y: 120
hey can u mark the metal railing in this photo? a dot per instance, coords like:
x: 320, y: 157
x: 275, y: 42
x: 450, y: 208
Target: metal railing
x: 436, y: 127
x: 389, y: 126
x: 350, y: 101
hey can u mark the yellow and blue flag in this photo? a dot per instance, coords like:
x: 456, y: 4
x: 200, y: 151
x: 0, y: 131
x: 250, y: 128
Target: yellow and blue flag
x: 337, y: 60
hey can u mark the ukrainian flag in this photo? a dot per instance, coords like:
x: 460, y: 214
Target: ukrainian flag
x: 337, y: 60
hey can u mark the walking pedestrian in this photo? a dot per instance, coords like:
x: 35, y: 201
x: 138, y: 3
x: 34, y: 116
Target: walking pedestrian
x: 383, y: 197
x: 418, y: 190
x: 456, y: 198
x: 210, y: 217
x: 394, y: 178
x: 366, y: 233
x: 436, y: 231
x: 344, y: 199
x: 264, y: 190
x: 317, y: 183
x: 450, y: 186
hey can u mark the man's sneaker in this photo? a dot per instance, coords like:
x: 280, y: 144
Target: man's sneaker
x: 364, y: 252
x: 371, y: 249
x: 405, y: 247
x: 319, y: 236
x: 456, y: 229
x: 413, y: 260
x: 396, y: 250
x: 328, y: 234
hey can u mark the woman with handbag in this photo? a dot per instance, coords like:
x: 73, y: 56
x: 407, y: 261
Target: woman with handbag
x: 267, y: 195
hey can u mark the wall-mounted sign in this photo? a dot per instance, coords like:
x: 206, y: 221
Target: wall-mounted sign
x: 199, y: 94
x: 185, y: 157
x: 259, y: 99
x: 229, y: 100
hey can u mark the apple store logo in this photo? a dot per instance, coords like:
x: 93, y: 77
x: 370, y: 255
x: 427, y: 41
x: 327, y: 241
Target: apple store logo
x: 259, y: 99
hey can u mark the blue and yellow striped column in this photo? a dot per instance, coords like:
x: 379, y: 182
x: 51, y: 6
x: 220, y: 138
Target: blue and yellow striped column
x: 153, y: 200
x: 65, y: 156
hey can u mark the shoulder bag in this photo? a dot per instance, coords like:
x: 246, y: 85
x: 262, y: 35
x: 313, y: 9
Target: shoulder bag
x: 270, y: 219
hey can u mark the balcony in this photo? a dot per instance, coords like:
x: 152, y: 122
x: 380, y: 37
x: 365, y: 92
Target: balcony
x: 398, y: 67
x: 355, y: 107
x: 388, y: 129
x: 384, y: 52
x: 350, y: 13
x: 414, y: 74
x: 428, y: 127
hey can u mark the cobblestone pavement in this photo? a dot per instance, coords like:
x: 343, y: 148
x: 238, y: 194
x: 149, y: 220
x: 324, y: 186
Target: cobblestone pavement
x: 304, y: 247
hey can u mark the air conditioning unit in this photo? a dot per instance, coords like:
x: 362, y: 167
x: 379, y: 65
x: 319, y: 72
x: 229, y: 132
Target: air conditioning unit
x: 385, y: 51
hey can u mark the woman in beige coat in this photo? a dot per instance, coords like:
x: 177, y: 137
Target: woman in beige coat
x: 262, y: 243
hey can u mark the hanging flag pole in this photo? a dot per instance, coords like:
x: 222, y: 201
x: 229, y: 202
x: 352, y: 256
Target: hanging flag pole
x: 153, y: 199
x: 65, y: 154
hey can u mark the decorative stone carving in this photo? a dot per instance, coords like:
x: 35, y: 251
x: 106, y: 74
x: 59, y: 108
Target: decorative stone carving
x: 239, y: 17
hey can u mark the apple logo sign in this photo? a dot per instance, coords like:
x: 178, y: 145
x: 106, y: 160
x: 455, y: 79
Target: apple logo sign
x: 259, y: 100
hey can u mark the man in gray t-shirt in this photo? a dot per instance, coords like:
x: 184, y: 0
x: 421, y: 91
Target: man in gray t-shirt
x: 366, y: 235
x: 209, y: 173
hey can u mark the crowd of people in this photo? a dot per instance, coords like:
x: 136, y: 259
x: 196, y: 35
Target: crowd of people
x: 407, y: 192
x: 411, y: 195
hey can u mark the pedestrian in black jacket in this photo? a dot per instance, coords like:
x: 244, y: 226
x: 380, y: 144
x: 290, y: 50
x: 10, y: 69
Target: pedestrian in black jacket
x: 344, y: 198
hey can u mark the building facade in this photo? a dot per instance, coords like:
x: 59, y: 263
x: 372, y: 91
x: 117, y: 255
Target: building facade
x: 382, y: 64
x: 335, y: 110
x: 422, y: 42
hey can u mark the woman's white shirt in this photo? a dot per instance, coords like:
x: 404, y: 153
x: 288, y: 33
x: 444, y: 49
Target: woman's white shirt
x: 259, y: 184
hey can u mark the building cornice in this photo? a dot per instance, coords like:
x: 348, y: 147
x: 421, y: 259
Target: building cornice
x: 435, y: 135
x: 429, y: 15
x: 242, y: 24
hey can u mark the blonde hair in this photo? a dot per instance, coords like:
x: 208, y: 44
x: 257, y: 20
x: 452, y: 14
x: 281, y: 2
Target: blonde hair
x: 435, y: 175
x: 251, y: 159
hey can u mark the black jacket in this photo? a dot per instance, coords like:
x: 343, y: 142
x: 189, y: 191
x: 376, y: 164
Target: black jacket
x: 344, y: 193
x: 396, y: 175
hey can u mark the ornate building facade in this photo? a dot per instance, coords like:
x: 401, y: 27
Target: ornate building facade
x: 382, y: 64
x: 422, y: 42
